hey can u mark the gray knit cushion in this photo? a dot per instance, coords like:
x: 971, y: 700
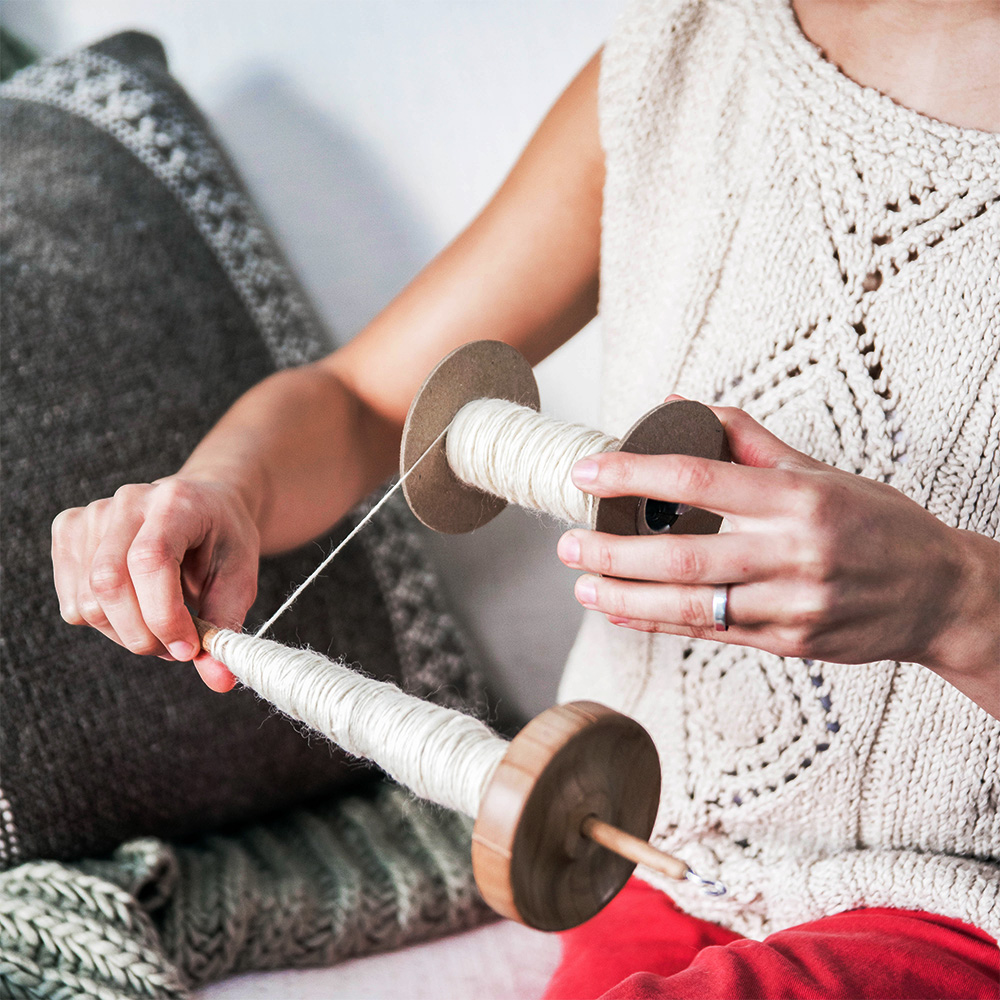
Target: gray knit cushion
x: 141, y: 294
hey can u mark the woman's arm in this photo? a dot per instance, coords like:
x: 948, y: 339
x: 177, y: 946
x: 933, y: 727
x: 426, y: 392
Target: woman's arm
x: 297, y: 451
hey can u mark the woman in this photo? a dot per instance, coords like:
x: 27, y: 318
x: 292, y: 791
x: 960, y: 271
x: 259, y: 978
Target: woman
x: 779, y: 237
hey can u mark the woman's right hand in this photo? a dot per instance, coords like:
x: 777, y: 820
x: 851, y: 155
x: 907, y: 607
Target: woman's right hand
x: 127, y: 565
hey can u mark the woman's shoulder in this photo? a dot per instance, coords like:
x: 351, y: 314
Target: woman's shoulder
x: 680, y: 37
x: 664, y: 53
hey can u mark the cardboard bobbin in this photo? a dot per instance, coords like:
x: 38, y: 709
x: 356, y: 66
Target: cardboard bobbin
x: 484, y: 369
x: 530, y: 856
x: 491, y: 369
x: 680, y: 427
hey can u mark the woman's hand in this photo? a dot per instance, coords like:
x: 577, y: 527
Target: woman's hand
x: 819, y: 563
x: 127, y: 564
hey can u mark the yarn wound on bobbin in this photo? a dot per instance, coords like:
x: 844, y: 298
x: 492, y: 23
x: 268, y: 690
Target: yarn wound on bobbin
x: 514, y: 452
x: 480, y: 444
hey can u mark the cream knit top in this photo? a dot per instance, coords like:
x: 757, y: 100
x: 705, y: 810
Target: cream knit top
x: 779, y: 238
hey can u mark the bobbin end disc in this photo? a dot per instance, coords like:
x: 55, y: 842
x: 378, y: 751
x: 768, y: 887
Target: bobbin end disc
x: 679, y: 427
x: 484, y: 369
x: 531, y: 861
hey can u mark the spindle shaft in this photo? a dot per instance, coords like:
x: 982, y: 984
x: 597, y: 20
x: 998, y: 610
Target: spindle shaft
x: 627, y: 846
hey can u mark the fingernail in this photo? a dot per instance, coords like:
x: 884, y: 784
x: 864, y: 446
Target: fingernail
x: 181, y: 650
x: 585, y: 471
x: 586, y: 592
x: 618, y: 621
x: 569, y: 549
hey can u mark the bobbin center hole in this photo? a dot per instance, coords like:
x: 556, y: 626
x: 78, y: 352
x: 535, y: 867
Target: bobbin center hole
x: 657, y: 517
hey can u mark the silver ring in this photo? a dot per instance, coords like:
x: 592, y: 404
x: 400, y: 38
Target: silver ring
x: 720, y: 605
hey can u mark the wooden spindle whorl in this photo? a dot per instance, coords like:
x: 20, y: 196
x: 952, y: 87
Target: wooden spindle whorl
x: 530, y: 857
x: 568, y: 804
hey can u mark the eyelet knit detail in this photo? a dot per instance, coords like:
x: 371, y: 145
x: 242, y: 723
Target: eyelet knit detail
x: 766, y: 720
x: 780, y: 238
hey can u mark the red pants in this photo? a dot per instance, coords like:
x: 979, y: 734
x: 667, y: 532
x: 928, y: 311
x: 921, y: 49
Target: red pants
x: 642, y: 947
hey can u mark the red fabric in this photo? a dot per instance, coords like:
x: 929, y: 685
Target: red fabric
x: 642, y: 947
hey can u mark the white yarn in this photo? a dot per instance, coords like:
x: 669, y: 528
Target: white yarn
x: 439, y: 753
x: 516, y: 453
x: 508, y: 450
x: 442, y: 755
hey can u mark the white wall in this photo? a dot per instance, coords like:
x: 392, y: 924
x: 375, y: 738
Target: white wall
x: 370, y: 132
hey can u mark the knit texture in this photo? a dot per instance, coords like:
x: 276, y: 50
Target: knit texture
x: 365, y: 874
x: 779, y: 238
x: 141, y: 294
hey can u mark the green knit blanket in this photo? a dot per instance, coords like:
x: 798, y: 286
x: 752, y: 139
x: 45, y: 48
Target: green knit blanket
x: 361, y: 874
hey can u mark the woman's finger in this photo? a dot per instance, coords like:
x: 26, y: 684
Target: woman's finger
x: 66, y: 563
x: 154, y: 559
x: 231, y: 588
x: 738, y: 635
x: 768, y: 603
x: 111, y: 583
x: 88, y: 535
x: 701, y: 482
x: 91, y: 613
x: 214, y: 674
x: 732, y: 557
x: 225, y: 601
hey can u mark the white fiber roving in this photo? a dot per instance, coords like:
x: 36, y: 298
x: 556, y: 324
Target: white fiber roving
x: 440, y: 754
x: 516, y: 453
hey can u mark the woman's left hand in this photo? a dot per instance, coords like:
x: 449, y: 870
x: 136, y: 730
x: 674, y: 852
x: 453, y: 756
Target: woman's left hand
x: 819, y: 563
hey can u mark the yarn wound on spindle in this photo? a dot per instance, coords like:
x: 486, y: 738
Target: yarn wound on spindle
x: 443, y: 755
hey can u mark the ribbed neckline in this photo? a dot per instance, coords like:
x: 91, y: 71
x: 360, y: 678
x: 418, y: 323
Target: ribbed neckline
x: 857, y: 105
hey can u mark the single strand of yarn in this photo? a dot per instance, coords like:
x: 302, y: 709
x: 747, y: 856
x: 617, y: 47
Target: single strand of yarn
x: 514, y: 452
x: 440, y: 754
x: 308, y: 581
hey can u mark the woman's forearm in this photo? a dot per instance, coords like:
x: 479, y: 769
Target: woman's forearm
x: 300, y: 449
x: 303, y: 446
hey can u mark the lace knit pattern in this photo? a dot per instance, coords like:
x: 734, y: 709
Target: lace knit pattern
x: 779, y: 238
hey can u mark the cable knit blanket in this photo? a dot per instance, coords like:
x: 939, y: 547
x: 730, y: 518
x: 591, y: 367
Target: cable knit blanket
x: 361, y: 874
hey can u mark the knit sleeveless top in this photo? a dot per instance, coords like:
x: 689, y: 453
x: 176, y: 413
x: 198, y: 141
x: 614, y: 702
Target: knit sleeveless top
x: 778, y: 238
